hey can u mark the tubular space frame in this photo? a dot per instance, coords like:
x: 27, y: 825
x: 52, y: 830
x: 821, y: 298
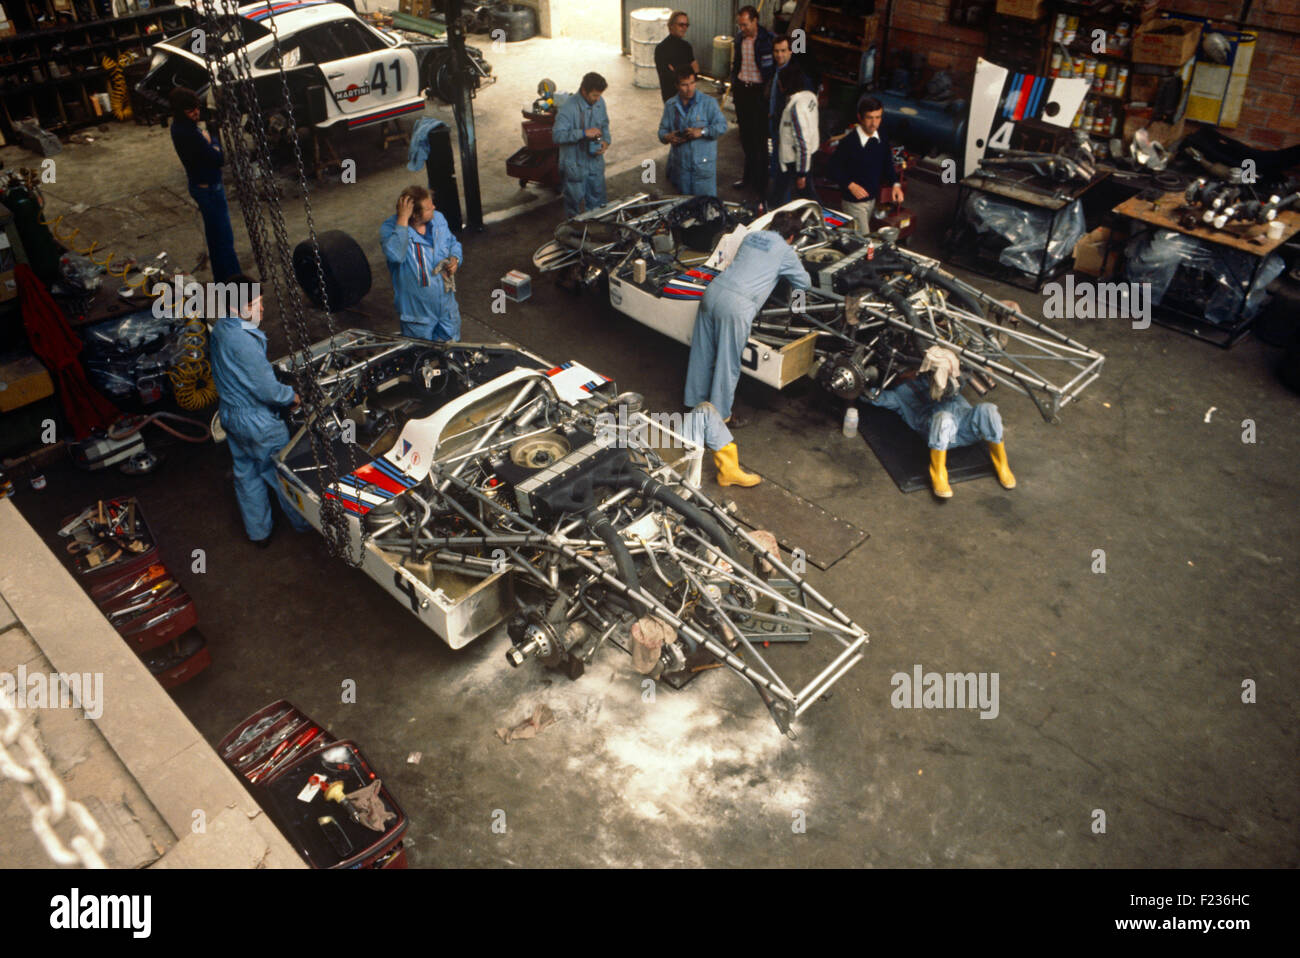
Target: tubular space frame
x: 830, y: 620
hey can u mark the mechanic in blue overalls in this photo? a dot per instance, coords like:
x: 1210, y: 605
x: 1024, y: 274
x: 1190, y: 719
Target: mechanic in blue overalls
x: 933, y: 405
x: 692, y: 123
x: 582, y: 131
x: 728, y: 308
x: 423, y: 256
x: 250, y: 397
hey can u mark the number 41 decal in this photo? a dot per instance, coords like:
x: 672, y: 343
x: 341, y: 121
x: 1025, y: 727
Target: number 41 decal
x: 379, y: 80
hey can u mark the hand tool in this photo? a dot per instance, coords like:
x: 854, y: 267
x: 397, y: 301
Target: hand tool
x: 298, y: 745
x: 251, y: 759
x: 256, y: 729
x: 162, y: 617
x: 150, y: 597
x: 85, y: 514
x: 153, y: 572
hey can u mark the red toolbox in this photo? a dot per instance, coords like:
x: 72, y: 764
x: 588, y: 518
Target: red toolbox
x: 329, y: 834
x: 539, y: 160
x: 289, y: 770
x: 179, y: 661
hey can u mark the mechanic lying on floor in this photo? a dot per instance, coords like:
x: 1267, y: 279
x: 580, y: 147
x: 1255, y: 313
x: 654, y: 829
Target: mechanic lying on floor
x: 250, y: 397
x: 423, y: 255
x: 932, y: 404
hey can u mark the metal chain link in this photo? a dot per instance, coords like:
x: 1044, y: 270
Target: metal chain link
x: 37, y: 771
x: 239, y: 109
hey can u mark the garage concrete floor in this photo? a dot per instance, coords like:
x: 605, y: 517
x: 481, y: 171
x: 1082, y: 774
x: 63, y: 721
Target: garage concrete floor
x: 1119, y: 692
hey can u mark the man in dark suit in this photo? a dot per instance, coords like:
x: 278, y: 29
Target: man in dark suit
x: 752, y: 66
x: 863, y: 165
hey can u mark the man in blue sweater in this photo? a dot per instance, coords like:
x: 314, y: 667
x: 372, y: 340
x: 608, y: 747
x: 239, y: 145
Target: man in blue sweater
x: 202, y: 158
x: 692, y: 123
x: 863, y: 165
x: 423, y: 256
x: 581, y: 129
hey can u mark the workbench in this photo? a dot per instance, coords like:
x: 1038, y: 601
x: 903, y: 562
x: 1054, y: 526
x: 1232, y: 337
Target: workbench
x: 1026, y: 189
x: 1249, y: 238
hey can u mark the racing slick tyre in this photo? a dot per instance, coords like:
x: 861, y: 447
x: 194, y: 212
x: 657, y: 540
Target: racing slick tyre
x: 519, y: 22
x: 344, y: 265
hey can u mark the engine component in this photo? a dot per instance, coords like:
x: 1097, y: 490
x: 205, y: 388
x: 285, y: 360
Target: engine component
x: 538, y: 452
x: 848, y: 375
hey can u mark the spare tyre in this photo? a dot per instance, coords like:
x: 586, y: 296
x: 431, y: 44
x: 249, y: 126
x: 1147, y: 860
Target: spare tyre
x: 343, y: 264
x: 519, y: 22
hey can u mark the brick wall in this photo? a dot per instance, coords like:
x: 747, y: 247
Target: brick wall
x: 1270, y: 115
x: 923, y: 25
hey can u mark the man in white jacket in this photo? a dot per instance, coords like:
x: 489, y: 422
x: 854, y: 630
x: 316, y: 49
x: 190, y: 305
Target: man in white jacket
x: 797, y: 140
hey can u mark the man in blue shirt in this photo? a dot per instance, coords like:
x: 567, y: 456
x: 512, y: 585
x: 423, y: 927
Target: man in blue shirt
x: 692, y: 123
x: 202, y: 158
x: 581, y: 129
x: 250, y: 397
x: 728, y: 308
x: 863, y: 165
x: 423, y: 256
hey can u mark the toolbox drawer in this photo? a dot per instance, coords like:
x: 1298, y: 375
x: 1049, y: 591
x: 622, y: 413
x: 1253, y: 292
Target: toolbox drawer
x: 160, y: 623
x: 177, y: 663
x: 267, y: 737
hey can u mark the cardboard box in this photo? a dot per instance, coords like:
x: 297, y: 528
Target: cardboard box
x: 1024, y: 9
x: 1152, y: 45
x: 1090, y: 251
x: 23, y: 380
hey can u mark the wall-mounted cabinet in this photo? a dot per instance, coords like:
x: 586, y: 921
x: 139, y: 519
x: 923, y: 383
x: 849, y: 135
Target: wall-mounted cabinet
x: 52, y: 66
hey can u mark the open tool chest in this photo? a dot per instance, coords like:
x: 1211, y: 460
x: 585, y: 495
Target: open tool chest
x: 115, y: 557
x: 307, y: 782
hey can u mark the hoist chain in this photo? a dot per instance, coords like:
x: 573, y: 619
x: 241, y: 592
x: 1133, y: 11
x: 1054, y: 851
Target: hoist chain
x: 239, y: 110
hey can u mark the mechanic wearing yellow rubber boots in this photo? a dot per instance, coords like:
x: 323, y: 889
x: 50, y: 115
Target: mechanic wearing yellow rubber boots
x: 704, y: 425
x: 932, y: 404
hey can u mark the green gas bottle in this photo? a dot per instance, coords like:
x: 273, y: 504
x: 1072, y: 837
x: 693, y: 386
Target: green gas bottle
x: 42, y: 251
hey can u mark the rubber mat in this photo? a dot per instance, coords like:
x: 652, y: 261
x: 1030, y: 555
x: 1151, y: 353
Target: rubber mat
x: 797, y: 523
x: 905, y: 455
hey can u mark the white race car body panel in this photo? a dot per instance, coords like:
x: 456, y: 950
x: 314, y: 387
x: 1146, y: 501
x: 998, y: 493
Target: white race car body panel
x: 672, y: 310
x: 369, y: 87
x: 675, y: 318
